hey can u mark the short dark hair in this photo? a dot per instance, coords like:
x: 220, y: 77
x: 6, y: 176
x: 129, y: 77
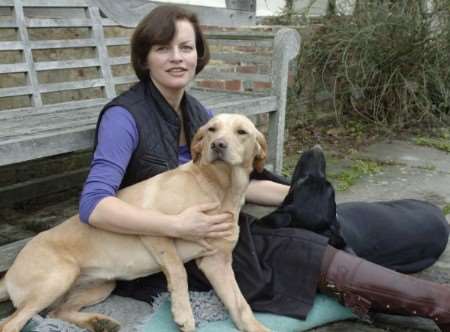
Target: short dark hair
x: 158, y: 28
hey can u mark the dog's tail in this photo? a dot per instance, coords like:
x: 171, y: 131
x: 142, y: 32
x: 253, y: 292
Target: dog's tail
x: 3, y: 292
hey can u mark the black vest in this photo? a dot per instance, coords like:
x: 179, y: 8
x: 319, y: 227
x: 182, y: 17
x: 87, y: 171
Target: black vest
x: 159, y: 128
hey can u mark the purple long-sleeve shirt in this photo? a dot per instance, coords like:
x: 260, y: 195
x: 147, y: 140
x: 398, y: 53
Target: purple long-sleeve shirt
x: 118, y: 137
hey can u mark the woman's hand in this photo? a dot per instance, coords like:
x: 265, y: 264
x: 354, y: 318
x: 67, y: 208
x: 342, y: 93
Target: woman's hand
x: 194, y: 224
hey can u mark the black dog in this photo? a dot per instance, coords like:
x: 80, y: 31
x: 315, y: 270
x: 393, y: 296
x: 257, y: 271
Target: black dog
x: 310, y: 203
x: 405, y: 235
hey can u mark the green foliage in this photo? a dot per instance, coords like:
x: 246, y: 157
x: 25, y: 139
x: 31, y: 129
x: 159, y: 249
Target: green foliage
x: 348, y: 177
x: 387, y: 64
x: 437, y: 143
x: 446, y: 209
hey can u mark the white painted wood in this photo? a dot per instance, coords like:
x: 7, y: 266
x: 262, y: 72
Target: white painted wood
x: 286, y: 47
x: 66, y: 64
x: 75, y: 85
x: 73, y: 43
x: 11, y: 45
x: 16, y: 91
x: 102, y: 52
x: 8, y: 23
x: 55, y: 3
x: 125, y: 79
x: 28, y: 56
x: 13, y: 68
x: 219, y: 75
x: 57, y: 22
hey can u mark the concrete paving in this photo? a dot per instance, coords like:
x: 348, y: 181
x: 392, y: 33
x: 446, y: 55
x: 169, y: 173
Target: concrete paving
x: 408, y: 171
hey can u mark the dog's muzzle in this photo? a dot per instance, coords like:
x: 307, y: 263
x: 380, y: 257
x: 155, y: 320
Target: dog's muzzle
x: 219, y: 148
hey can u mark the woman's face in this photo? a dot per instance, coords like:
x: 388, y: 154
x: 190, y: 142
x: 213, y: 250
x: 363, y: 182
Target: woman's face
x: 172, y: 66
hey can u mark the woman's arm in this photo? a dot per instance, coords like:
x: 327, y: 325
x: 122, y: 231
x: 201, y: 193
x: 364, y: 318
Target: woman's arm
x: 115, y: 215
x: 99, y: 207
x: 266, y: 192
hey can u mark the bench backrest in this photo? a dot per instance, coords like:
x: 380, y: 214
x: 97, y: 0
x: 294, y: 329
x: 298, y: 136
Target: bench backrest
x: 64, y: 51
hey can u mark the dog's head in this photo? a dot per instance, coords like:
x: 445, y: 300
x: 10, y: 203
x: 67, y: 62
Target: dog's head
x: 311, y: 193
x: 310, y: 203
x: 312, y: 163
x: 231, y: 139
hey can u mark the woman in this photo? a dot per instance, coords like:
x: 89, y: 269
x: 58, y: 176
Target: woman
x: 148, y: 130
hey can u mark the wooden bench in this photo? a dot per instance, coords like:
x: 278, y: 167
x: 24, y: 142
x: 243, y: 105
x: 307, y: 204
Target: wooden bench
x: 62, y: 60
x: 53, y: 88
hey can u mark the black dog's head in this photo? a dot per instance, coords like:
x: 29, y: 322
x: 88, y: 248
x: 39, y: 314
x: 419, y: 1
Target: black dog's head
x: 311, y: 163
x: 310, y: 203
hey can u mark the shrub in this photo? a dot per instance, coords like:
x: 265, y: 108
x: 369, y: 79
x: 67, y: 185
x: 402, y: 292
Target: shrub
x: 388, y: 63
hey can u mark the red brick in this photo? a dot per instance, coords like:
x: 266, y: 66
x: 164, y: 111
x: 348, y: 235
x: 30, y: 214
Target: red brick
x: 262, y: 85
x: 246, y: 49
x: 291, y: 79
x: 218, y: 85
x: 247, y: 69
x: 234, y: 85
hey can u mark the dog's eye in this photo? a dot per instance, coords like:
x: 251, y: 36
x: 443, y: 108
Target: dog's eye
x: 242, y: 132
x: 212, y: 129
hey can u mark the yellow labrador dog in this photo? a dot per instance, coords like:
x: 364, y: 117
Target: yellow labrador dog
x: 74, y: 265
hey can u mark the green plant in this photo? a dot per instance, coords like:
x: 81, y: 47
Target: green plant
x: 446, y: 209
x: 348, y: 177
x: 387, y: 64
x: 437, y: 143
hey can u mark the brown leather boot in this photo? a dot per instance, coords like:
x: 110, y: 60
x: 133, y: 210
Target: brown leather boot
x: 363, y: 286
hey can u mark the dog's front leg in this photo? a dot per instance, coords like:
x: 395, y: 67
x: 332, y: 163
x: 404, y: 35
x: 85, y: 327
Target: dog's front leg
x: 165, y: 253
x: 219, y: 272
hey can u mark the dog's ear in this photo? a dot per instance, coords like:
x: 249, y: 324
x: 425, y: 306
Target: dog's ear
x: 261, y: 152
x: 197, y: 144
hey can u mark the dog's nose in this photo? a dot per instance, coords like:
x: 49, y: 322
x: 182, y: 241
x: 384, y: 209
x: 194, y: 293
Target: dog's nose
x: 219, y: 145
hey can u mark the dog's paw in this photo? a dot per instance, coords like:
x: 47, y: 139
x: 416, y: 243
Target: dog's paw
x: 105, y: 325
x: 186, y: 325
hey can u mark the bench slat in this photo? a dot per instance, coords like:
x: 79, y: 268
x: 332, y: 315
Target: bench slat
x: 16, y: 91
x: 265, y: 43
x: 67, y: 64
x: 117, y: 41
x: 57, y: 22
x: 19, y: 127
x: 20, y: 130
x: 124, y: 79
x: 8, y: 23
x: 219, y: 75
x: 106, y: 22
x: 70, y: 105
x: 240, y: 35
x: 72, y: 43
x: 249, y: 107
x: 46, y: 3
x: 55, y: 3
x: 13, y: 68
x: 75, y: 139
x: 241, y: 57
x: 11, y: 45
x: 119, y: 60
x: 74, y: 85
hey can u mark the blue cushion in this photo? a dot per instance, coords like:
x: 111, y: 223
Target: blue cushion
x: 324, y: 311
